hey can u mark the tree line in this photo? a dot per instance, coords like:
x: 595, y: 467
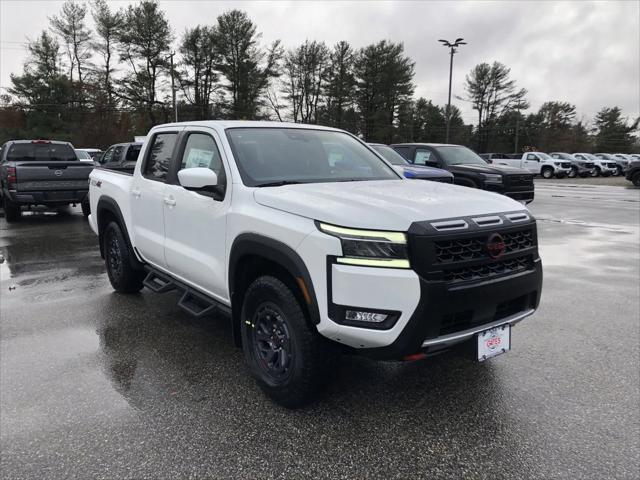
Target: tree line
x: 98, y: 76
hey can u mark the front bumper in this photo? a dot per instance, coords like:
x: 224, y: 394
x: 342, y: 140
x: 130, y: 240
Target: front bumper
x: 447, y: 316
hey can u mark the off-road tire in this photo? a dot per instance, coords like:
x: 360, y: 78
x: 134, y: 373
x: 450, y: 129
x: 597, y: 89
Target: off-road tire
x: 291, y: 362
x: 117, y: 258
x: 12, y: 211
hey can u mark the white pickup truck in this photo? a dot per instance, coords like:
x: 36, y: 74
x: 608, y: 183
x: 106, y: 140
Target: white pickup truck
x: 538, y: 163
x: 314, y: 246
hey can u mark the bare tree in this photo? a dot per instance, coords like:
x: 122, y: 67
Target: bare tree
x: 492, y: 94
x: 305, y: 71
x: 198, y: 78
x: 70, y: 26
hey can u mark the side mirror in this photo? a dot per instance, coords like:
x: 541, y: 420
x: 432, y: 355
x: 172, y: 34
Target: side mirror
x: 199, y: 178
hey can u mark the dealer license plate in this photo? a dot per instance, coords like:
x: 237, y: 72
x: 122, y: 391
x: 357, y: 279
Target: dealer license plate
x: 494, y: 342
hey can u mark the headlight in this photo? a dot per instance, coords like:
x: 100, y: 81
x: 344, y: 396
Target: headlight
x: 557, y: 164
x: 492, y: 178
x: 370, y: 248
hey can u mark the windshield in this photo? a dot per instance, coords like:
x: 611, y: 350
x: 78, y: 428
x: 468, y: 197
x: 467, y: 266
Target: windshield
x: 390, y: 155
x: 457, y: 155
x: 563, y: 156
x: 267, y: 156
x: 82, y: 155
x: 59, y: 152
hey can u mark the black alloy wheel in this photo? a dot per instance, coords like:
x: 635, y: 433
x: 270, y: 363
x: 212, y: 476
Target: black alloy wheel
x: 271, y: 342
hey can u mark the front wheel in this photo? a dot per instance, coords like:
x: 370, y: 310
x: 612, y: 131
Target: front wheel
x: 636, y: 179
x: 597, y: 172
x: 547, y: 172
x: 573, y: 173
x: 123, y: 277
x: 289, y: 360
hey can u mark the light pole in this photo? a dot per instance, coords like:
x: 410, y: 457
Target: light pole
x: 452, y: 49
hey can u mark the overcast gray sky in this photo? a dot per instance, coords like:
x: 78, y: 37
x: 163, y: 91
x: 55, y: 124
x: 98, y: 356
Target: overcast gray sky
x: 586, y: 53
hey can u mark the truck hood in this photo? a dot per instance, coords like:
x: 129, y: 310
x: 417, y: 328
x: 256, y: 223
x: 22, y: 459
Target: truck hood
x: 489, y: 168
x: 387, y: 204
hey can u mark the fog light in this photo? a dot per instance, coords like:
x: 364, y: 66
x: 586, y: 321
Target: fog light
x: 370, y: 317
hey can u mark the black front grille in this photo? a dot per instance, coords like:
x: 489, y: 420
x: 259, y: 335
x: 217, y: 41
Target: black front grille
x: 472, y: 248
x: 488, y: 270
x: 589, y: 165
x: 520, y: 180
x: 566, y: 164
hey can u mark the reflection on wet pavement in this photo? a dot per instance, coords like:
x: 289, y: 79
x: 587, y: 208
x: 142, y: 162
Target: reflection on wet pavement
x: 93, y: 383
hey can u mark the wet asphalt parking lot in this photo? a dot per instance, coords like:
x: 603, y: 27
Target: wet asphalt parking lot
x: 94, y: 384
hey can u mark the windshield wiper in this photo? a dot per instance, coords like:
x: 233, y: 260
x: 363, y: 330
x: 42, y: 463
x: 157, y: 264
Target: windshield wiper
x: 279, y: 183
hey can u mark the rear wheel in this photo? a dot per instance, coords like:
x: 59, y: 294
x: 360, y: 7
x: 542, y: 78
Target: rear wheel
x: 547, y: 172
x: 12, y: 211
x: 290, y: 361
x: 123, y: 277
x: 86, y: 208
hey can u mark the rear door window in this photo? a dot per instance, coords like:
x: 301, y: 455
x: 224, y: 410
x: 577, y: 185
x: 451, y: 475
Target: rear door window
x: 132, y: 153
x: 48, y: 152
x: 159, y: 156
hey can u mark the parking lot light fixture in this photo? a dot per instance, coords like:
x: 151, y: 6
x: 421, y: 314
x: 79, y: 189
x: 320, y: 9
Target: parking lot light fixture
x: 452, y: 50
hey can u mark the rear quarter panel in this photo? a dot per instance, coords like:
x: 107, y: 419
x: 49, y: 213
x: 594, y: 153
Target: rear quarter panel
x: 108, y: 184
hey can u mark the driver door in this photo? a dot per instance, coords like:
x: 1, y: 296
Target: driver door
x: 195, y: 221
x: 532, y: 163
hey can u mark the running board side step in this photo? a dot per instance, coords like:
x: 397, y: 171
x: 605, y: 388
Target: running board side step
x: 191, y: 301
x: 158, y: 283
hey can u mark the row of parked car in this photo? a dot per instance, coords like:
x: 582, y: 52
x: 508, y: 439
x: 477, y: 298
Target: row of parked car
x: 45, y: 172
x: 562, y: 164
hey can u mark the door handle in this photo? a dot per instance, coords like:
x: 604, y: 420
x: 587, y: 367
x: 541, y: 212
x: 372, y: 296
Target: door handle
x: 169, y: 201
x: 136, y: 193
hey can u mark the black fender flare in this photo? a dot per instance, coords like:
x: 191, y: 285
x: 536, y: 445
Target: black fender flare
x: 280, y: 253
x: 108, y: 204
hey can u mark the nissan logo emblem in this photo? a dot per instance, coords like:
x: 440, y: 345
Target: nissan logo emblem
x: 495, y: 245
x: 58, y: 173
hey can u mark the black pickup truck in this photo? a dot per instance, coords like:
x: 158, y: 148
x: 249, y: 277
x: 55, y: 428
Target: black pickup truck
x: 41, y: 172
x: 470, y: 170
